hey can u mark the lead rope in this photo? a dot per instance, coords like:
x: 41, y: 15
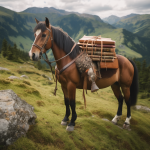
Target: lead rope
x: 49, y: 63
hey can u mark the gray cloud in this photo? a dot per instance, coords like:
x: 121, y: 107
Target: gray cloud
x: 103, y: 8
x: 99, y: 8
x: 138, y: 5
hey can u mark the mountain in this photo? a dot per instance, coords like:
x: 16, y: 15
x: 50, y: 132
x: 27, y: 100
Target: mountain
x: 128, y: 16
x: 111, y: 19
x: 114, y: 19
x: 19, y: 27
x: 59, y: 12
x: 77, y: 26
x: 139, y: 24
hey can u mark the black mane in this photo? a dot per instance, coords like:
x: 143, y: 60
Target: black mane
x: 62, y: 39
x: 65, y: 42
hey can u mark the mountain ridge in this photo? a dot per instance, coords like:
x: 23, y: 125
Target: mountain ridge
x: 76, y: 26
x: 114, y: 19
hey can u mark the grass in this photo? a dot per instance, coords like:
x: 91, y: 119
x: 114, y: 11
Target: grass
x: 118, y: 36
x: 25, y: 41
x: 91, y: 131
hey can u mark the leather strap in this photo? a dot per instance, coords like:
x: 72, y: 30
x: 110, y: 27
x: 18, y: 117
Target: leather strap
x: 69, y: 64
x: 65, y: 55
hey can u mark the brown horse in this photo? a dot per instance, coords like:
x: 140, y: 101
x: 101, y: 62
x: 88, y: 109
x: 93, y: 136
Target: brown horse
x: 125, y: 77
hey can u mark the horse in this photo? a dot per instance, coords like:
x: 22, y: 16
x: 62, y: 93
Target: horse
x: 65, y: 50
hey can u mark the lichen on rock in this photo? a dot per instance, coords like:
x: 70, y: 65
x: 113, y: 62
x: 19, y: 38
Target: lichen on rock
x: 16, y: 116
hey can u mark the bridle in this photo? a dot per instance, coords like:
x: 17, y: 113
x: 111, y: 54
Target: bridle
x: 41, y: 52
x: 41, y: 48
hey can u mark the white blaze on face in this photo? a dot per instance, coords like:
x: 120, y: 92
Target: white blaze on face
x: 36, y: 35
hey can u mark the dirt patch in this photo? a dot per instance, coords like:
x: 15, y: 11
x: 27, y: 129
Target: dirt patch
x: 40, y: 103
x: 3, y: 81
x: 32, y: 91
x: 103, y: 114
x: 126, y: 145
x: 26, y: 82
x: 21, y: 85
x: 59, y: 143
x: 134, y: 122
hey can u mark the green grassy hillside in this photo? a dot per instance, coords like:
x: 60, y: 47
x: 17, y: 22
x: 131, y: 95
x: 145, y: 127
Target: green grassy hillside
x: 139, y: 25
x: 91, y: 131
x: 15, y: 29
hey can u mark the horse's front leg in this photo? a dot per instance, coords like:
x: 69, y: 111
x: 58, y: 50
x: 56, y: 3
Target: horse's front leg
x: 71, y: 87
x: 66, y: 101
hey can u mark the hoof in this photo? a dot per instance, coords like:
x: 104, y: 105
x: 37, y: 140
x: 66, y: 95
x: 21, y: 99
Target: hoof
x: 70, y: 128
x: 64, y: 123
x: 126, y: 126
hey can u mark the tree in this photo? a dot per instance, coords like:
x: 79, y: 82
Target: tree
x: 4, y: 48
x: 14, y: 55
x: 9, y: 53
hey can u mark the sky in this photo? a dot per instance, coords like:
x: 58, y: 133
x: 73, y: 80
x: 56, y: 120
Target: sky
x: 102, y: 8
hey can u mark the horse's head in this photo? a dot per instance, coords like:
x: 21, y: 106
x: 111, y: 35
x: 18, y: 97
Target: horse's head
x: 43, y: 39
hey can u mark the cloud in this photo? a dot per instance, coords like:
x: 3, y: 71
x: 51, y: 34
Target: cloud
x: 69, y: 1
x: 98, y: 8
x: 138, y: 4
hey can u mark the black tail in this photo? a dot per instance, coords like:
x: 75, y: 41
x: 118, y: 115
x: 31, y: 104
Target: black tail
x: 134, y: 86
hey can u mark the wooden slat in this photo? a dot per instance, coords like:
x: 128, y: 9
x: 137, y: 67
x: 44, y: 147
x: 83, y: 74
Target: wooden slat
x: 98, y: 49
x: 99, y: 53
x: 103, y: 57
x: 103, y: 60
x: 96, y: 45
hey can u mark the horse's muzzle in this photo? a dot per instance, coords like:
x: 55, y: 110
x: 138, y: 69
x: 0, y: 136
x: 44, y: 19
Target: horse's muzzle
x: 34, y: 57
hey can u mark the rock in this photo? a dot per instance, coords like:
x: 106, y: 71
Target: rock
x: 13, y: 77
x: 140, y: 107
x: 105, y: 119
x: 16, y: 116
x: 31, y: 66
x: 24, y: 76
x: 45, y: 76
x: 1, y: 68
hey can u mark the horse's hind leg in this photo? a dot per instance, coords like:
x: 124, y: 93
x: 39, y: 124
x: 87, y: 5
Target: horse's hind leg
x: 126, y: 92
x: 116, y: 89
x: 66, y: 101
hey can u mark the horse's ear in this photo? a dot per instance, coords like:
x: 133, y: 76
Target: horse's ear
x: 36, y: 21
x: 47, y: 22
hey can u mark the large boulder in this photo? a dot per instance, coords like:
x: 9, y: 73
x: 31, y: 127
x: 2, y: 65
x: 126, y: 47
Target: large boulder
x: 16, y: 116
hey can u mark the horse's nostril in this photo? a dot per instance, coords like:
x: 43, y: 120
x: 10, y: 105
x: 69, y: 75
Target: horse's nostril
x: 33, y: 56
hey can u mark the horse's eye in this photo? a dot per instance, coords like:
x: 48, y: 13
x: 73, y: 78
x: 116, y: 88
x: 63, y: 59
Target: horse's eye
x: 43, y: 35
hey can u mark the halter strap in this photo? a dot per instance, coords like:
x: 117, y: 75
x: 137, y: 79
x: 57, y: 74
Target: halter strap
x: 41, y: 48
x: 65, y: 55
